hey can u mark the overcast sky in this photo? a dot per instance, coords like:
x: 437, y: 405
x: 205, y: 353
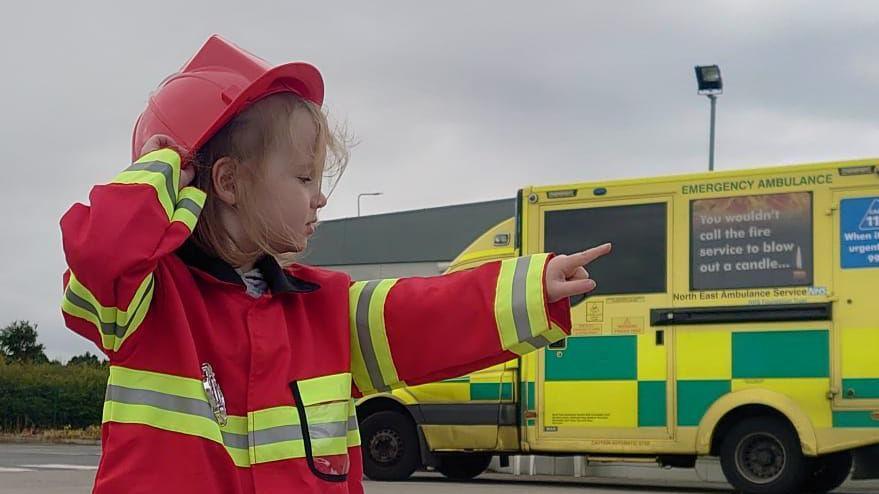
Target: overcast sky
x: 452, y: 101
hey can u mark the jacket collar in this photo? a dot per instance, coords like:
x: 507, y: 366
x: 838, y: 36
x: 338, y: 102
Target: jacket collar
x: 279, y: 280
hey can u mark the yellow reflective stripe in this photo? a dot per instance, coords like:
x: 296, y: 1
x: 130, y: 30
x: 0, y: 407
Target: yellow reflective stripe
x: 276, y: 433
x: 283, y: 450
x: 172, y: 403
x: 139, y: 315
x: 115, y: 325
x: 240, y: 457
x: 286, y: 415
x: 156, y: 179
x: 192, y: 194
x: 165, y: 155
x: 380, y: 336
x: 522, y: 321
x: 522, y: 348
x: 183, y: 423
x: 189, y: 206
x: 329, y: 446
x: 325, y: 388
x: 235, y: 424
x: 326, y: 413
x: 186, y: 217
x: 555, y: 333
x: 503, y: 304
x: 185, y: 387
x: 160, y: 170
x: 163, y: 419
x: 273, y: 417
x: 353, y: 436
x: 178, y: 404
x: 372, y: 351
x: 358, y: 365
x: 172, y: 387
x: 111, y: 315
x: 534, y: 294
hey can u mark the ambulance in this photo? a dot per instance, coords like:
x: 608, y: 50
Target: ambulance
x: 737, y: 317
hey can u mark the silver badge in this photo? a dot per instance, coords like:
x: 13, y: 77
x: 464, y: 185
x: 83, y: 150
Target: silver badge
x: 213, y: 392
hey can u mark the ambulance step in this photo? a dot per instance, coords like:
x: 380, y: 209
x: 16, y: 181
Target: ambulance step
x: 621, y: 459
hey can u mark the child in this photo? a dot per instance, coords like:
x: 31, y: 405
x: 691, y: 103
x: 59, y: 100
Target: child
x: 230, y: 373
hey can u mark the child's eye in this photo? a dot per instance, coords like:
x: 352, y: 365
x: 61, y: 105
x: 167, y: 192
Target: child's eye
x: 305, y: 179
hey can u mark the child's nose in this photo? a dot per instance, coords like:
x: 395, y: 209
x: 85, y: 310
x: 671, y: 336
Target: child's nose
x: 319, y: 201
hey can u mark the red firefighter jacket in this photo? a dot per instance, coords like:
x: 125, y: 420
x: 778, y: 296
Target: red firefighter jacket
x: 180, y: 331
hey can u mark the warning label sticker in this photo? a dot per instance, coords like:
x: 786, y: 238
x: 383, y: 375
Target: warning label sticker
x: 859, y: 232
x: 627, y: 325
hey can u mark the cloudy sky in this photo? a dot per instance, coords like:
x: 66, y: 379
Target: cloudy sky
x: 452, y: 101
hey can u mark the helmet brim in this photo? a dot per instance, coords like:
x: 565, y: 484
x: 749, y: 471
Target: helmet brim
x: 300, y: 78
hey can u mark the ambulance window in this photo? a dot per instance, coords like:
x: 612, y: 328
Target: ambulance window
x: 638, y: 233
x: 753, y: 241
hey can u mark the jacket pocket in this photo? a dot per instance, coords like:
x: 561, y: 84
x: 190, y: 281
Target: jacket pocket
x: 323, y: 404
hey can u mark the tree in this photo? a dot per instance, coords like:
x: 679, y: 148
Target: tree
x: 86, y: 359
x: 18, y: 343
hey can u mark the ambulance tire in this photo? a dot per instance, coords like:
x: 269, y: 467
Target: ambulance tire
x: 463, y: 466
x: 389, y: 443
x: 762, y: 455
x: 828, y: 472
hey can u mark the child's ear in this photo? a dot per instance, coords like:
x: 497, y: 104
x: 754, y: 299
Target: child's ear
x: 223, y: 175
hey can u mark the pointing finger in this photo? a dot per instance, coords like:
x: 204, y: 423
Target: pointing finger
x: 587, y: 256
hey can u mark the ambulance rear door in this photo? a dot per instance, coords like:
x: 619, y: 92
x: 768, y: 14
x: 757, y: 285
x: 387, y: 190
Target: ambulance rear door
x: 607, y: 387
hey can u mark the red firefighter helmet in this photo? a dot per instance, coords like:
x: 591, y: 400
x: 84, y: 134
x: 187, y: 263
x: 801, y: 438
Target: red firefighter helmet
x: 219, y: 82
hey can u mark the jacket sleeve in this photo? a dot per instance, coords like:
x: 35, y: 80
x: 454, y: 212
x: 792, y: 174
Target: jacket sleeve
x: 411, y: 331
x: 113, y: 246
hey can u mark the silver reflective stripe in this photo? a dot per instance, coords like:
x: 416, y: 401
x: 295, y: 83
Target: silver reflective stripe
x: 331, y: 429
x: 158, y: 167
x: 199, y: 408
x: 283, y: 433
x: 538, y: 341
x: 520, y: 302
x: 363, y: 334
x: 276, y: 435
x: 234, y: 440
x: 108, y: 328
x: 189, y: 204
x: 172, y: 403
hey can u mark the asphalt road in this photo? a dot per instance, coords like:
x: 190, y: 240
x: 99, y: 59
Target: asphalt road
x: 70, y: 469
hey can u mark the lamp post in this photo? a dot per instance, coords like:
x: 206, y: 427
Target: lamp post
x: 365, y: 194
x: 711, y: 85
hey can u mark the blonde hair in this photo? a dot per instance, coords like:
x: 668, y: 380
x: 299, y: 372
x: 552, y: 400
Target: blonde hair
x: 247, y: 139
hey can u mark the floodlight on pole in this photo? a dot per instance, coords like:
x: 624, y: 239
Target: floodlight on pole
x: 365, y: 194
x: 711, y: 85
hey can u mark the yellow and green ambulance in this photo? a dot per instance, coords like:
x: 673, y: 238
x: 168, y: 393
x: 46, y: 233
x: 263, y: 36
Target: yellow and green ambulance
x: 738, y: 316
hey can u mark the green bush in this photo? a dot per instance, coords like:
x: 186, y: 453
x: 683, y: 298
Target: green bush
x: 47, y: 396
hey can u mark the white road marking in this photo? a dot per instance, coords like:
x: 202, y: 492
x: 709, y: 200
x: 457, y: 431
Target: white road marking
x: 60, y: 466
x: 14, y: 470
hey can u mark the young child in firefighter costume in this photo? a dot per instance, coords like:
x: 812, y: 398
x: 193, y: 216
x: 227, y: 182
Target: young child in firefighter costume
x: 232, y: 370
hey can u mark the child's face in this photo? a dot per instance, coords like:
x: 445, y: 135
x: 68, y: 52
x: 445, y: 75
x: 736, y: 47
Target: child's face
x: 292, y: 185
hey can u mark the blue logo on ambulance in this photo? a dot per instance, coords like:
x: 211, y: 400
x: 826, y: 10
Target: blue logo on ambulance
x: 859, y: 231
x: 871, y: 218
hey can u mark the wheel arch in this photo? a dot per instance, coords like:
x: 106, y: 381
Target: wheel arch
x: 730, y: 408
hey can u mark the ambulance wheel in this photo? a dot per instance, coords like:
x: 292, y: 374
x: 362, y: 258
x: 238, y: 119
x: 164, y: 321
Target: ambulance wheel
x: 464, y: 466
x: 762, y: 455
x: 389, y: 445
x: 828, y: 472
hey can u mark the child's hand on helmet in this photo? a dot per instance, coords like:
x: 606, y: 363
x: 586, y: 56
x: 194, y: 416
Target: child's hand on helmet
x: 159, y: 141
x: 566, y: 276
